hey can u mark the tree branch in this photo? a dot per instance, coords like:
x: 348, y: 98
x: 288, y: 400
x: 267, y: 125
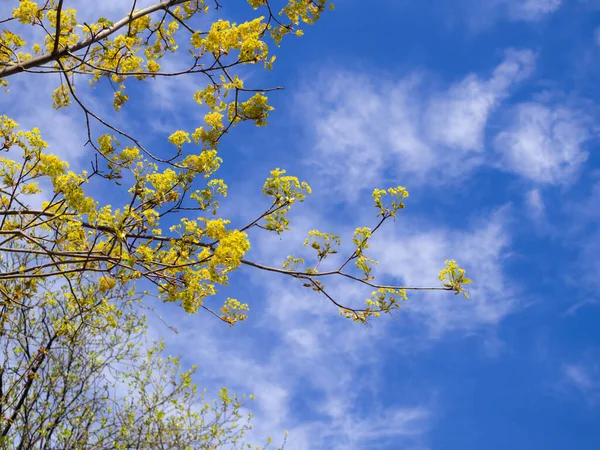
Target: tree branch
x: 57, y: 37
x: 308, y: 276
x: 55, y: 55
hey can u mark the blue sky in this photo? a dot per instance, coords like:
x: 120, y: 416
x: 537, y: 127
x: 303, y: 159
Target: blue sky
x: 487, y: 113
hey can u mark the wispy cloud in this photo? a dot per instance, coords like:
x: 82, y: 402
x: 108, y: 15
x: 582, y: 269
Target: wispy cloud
x: 477, y: 17
x: 414, y: 256
x: 530, y: 9
x: 579, y: 305
x: 584, y: 377
x: 579, y: 376
x: 482, y: 15
x: 535, y: 204
x: 312, y: 372
x: 582, y: 233
x: 457, y: 118
x: 64, y: 130
x: 367, y: 129
x: 317, y: 374
x: 597, y: 36
x: 544, y: 143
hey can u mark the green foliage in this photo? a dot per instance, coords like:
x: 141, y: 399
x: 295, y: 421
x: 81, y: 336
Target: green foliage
x: 77, y: 372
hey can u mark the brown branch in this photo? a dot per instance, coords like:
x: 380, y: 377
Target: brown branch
x: 56, y: 39
x: 90, y: 226
x: 181, y: 22
x: 308, y: 276
x: 39, y: 360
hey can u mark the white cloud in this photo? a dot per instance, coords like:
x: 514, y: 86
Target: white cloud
x: 579, y: 376
x: 414, y: 257
x: 531, y: 9
x: 457, y: 118
x: 580, y: 305
x: 323, y: 368
x: 483, y: 14
x: 311, y: 371
x: 544, y: 143
x: 597, y: 36
x: 584, y: 234
x: 315, y: 373
x: 366, y: 129
x: 29, y: 103
x: 535, y: 203
x: 393, y: 425
x: 584, y: 377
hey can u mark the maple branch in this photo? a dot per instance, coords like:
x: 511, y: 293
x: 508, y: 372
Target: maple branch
x: 56, y: 39
x: 56, y: 54
x: 308, y: 276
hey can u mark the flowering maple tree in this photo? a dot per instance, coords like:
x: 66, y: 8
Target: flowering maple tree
x: 122, y: 243
x: 169, y: 232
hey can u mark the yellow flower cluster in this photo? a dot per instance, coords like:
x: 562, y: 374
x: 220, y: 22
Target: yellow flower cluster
x: 28, y: 12
x: 454, y: 277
